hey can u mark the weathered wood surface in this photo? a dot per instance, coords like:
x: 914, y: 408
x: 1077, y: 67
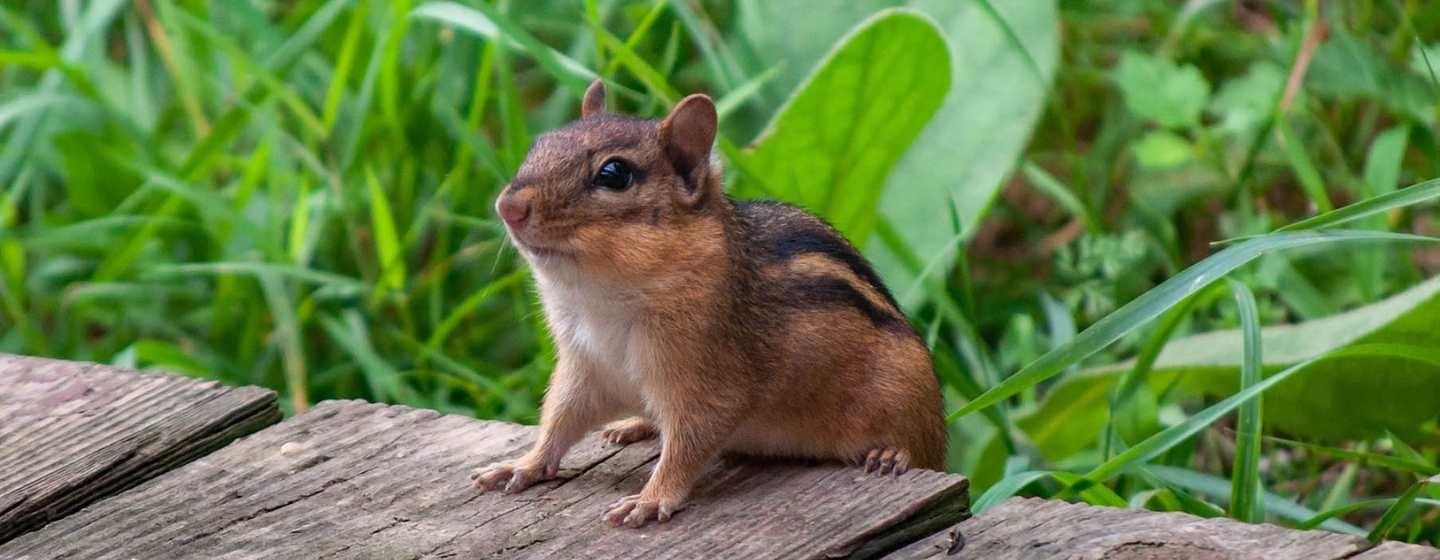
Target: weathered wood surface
x: 72, y: 433
x: 357, y: 480
x: 1034, y: 528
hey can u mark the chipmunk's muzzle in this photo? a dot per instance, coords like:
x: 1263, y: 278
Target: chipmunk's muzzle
x: 516, y: 208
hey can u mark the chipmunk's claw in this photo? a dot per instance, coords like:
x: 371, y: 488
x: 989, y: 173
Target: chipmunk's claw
x: 887, y: 460
x: 510, y: 478
x: 635, y: 511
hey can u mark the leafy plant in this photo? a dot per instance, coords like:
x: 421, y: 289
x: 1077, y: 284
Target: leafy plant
x: 298, y: 195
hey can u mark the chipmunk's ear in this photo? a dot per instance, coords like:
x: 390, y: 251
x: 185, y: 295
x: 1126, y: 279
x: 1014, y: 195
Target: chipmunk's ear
x: 594, y: 103
x: 687, y: 134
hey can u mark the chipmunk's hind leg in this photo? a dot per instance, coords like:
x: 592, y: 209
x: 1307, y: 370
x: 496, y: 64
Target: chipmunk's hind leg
x: 629, y: 430
x: 886, y: 460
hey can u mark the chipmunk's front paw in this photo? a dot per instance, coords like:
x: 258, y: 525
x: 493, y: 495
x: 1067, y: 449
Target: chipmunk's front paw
x: 513, y: 476
x: 886, y: 460
x: 635, y: 511
x: 628, y: 431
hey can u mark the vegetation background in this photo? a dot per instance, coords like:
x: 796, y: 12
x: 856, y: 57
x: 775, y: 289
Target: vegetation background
x: 297, y: 194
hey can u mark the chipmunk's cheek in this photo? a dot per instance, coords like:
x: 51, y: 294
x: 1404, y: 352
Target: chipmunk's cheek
x: 595, y: 246
x: 621, y: 249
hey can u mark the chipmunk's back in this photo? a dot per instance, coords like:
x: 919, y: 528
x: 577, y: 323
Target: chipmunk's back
x: 811, y: 264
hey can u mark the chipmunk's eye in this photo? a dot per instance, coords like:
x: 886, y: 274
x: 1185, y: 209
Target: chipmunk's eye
x: 615, y: 175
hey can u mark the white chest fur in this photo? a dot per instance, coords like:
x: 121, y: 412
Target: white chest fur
x: 604, y: 331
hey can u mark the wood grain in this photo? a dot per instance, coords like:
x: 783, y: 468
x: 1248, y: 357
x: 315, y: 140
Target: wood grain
x: 1035, y: 528
x: 358, y: 480
x: 73, y: 433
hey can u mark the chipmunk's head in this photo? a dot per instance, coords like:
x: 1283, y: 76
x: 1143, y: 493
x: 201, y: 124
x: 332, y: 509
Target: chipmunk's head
x: 615, y: 193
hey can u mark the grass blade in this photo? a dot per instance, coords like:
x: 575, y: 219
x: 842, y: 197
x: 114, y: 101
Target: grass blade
x: 652, y: 78
x: 1010, y: 485
x: 1328, y: 514
x: 1304, y: 169
x: 1408, y: 196
x: 1154, y: 445
x: 287, y: 331
x: 1218, y: 489
x: 350, y: 45
x: 1006, y: 488
x: 387, y: 241
x: 1153, y: 303
x: 1130, y: 382
x: 1245, y: 480
x: 736, y: 98
x: 344, y: 283
x: 469, y: 306
x: 1399, y: 509
x: 486, y: 21
x: 383, y: 380
x: 1361, y: 458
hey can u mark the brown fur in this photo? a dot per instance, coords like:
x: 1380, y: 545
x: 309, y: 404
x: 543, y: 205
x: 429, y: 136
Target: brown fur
x: 723, y: 325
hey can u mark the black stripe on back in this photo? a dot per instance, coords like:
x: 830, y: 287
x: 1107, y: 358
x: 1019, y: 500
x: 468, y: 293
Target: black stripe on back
x: 828, y: 291
x: 802, y: 241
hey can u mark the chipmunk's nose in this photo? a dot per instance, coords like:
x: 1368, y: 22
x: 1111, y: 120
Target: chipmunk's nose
x: 515, y: 210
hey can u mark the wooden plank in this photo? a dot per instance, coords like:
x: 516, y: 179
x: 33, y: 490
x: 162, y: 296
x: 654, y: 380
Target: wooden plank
x: 1400, y: 551
x: 73, y: 433
x: 358, y: 480
x: 1034, y: 528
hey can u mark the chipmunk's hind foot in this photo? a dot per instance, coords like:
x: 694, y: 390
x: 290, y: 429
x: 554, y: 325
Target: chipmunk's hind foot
x: 886, y: 460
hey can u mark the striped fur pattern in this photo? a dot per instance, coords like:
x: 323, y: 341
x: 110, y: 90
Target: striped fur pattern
x: 718, y: 325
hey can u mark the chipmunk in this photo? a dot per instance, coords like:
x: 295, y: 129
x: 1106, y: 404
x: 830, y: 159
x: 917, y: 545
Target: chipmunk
x: 719, y: 325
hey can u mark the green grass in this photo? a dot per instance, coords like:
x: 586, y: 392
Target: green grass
x: 298, y: 195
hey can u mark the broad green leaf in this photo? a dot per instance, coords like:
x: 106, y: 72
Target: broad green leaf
x: 1162, y: 91
x: 1425, y: 59
x: 1357, y: 396
x: 1159, y: 149
x: 1244, y: 103
x: 1347, y: 67
x: 1003, y: 56
x: 1383, y: 162
x: 831, y: 146
x: 810, y: 31
x: 1151, y: 304
x: 1383, y: 165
